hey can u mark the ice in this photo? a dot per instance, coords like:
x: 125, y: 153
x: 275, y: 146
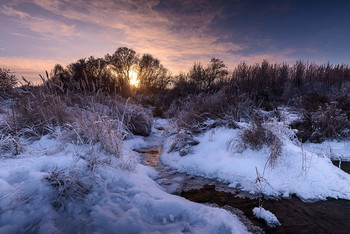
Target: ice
x: 270, y: 219
x: 336, y: 150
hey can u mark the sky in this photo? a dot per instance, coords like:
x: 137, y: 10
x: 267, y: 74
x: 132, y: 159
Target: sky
x: 37, y: 34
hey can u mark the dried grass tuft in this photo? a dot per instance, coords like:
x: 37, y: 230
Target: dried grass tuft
x: 68, y: 184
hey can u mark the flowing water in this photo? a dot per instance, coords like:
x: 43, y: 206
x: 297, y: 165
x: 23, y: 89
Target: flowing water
x: 331, y: 216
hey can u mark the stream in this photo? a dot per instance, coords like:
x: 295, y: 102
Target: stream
x: 329, y: 216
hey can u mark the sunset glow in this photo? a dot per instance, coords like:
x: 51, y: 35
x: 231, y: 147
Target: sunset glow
x: 134, y: 81
x: 179, y: 33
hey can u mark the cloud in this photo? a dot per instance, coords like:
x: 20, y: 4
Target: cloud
x: 6, y: 10
x: 45, y: 27
x: 147, y: 29
x: 177, y: 32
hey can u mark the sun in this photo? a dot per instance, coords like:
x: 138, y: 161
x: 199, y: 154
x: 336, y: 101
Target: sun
x: 133, y: 78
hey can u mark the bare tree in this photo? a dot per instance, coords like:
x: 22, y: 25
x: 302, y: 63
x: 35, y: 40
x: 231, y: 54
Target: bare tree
x: 122, y: 61
x: 152, y: 74
x: 197, y: 75
x: 216, y: 71
x: 205, y: 78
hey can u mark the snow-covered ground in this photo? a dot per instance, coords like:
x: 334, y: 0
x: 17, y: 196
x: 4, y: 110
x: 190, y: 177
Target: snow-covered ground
x: 58, y: 187
x: 55, y: 186
x: 309, y: 175
x: 336, y: 150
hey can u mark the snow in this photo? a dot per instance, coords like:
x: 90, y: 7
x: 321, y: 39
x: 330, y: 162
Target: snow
x: 113, y: 199
x: 54, y: 186
x: 335, y: 150
x: 139, y: 142
x: 270, y: 219
x: 298, y: 171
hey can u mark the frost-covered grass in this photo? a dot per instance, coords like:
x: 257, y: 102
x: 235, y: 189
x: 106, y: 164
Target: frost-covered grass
x: 297, y: 171
x: 270, y: 219
x: 50, y: 188
x: 65, y: 168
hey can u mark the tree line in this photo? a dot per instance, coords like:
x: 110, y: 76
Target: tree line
x: 265, y: 81
x: 112, y: 73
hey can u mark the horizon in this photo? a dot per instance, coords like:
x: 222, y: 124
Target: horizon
x: 37, y: 34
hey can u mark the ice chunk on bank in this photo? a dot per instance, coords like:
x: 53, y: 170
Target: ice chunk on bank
x: 270, y: 219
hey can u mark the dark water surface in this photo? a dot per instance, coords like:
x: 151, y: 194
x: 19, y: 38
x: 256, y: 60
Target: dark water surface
x: 331, y: 216
x: 345, y: 166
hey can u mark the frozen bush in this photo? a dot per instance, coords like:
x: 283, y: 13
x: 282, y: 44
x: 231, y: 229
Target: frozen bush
x: 261, y: 133
x: 194, y: 112
x: 10, y: 144
x: 67, y: 184
x: 327, y: 122
x: 137, y: 119
x: 91, y: 127
x: 182, y: 142
x: 256, y: 135
x: 33, y: 113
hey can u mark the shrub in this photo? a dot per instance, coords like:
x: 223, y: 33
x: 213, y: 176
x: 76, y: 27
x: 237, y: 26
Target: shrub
x: 68, y: 184
x: 256, y: 135
x: 92, y: 127
x: 327, y: 122
x: 10, y: 144
x: 32, y: 114
x: 7, y: 80
x: 200, y: 112
x: 311, y: 102
x: 275, y: 152
x: 88, y: 118
x: 261, y: 133
x: 182, y: 143
x: 137, y: 119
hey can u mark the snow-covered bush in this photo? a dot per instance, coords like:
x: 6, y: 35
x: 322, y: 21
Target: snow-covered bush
x: 33, y: 113
x: 254, y: 136
x: 182, y: 142
x: 259, y: 133
x: 10, y: 144
x: 194, y: 115
x: 137, y: 119
x: 92, y: 127
x: 93, y: 118
x: 67, y: 184
x: 192, y: 112
x: 327, y: 122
